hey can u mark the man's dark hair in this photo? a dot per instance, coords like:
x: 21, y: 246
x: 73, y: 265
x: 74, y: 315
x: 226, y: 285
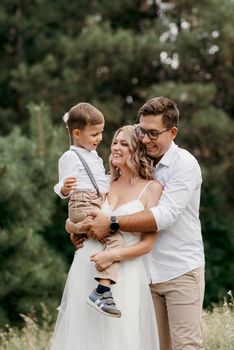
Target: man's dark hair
x: 161, y: 105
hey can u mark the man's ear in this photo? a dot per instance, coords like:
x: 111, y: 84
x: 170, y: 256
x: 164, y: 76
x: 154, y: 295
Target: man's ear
x: 174, y: 132
x: 76, y: 133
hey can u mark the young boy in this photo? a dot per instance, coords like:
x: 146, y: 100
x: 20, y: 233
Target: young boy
x: 85, y: 124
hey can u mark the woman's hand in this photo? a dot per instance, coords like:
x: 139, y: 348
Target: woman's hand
x: 103, y: 259
x: 70, y: 227
x: 74, y: 229
x: 81, y: 227
x: 77, y: 241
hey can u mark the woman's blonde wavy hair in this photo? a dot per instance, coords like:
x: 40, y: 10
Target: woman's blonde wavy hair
x: 138, y: 162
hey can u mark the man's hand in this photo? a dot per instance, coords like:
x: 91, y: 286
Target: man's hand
x: 99, y: 225
x: 96, y: 225
x: 69, y: 184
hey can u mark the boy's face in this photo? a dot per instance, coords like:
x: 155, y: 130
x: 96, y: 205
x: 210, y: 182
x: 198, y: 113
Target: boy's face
x: 88, y: 138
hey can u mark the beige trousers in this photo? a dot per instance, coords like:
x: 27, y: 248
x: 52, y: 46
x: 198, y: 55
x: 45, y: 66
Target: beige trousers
x: 80, y: 204
x: 178, y: 307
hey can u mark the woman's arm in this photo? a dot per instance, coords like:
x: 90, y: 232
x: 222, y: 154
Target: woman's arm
x: 106, y: 258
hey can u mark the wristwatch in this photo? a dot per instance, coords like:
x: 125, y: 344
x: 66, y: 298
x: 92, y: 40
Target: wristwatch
x: 114, y: 225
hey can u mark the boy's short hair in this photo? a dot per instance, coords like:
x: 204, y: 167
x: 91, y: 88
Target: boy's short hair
x: 83, y: 114
x: 161, y: 105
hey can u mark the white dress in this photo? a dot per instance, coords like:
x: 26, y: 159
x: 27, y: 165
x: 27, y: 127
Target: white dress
x: 81, y: 327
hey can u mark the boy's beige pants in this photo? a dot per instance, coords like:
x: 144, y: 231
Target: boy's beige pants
x: 178, y: 308
x: 80, y: 204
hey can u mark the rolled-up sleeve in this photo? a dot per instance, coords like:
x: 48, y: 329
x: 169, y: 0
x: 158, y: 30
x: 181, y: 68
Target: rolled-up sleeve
x: 184, y: 178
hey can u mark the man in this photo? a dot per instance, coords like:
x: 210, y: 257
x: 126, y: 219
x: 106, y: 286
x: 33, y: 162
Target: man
x: 176, y: 263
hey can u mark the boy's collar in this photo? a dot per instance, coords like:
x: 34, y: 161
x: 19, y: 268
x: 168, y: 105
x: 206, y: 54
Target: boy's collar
x: 80, y: 149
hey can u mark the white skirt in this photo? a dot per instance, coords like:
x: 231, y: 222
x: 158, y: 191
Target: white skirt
x: 81, y: 327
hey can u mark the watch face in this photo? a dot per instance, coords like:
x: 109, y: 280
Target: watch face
x: 114, y: 226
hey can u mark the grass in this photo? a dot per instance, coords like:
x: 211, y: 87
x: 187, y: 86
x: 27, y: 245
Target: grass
x: 218, y: 331
x: 31, y: 337
x: 218, y: 326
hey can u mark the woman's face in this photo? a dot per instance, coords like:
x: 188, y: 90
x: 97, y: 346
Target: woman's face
x: 120, y: 151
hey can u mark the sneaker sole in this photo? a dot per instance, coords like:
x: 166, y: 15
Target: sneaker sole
x: 90, y: 302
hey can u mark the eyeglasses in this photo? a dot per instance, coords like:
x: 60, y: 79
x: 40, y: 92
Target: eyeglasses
x: 152, y: 134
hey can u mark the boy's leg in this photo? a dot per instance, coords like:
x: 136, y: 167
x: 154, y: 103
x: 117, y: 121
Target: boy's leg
x: 184, y: 298
x: 101, y: 298
x: 110, y: 273
x: 78, y: 208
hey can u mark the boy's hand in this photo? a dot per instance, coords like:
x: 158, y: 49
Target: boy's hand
x: 69, y: 184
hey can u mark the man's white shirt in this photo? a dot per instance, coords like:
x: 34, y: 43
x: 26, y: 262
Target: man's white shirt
x: 179, y: 246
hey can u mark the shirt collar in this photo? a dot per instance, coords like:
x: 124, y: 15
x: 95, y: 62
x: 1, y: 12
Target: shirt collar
x: 83, y: 150
x: 169, y: 155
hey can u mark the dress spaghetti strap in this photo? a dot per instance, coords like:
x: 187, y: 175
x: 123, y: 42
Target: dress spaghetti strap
x: 144, y: 189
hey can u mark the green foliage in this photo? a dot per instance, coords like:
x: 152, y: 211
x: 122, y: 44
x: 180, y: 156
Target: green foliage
x: 31, y: 270
x: 114, y: 55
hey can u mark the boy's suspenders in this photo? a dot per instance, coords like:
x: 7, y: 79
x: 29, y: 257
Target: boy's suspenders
x: 88, y: 170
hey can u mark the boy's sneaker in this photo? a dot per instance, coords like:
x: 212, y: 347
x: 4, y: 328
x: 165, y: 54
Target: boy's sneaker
x: 104, y: 303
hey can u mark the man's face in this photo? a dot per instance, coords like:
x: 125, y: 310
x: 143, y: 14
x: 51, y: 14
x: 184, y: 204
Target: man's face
x: 156, y: 147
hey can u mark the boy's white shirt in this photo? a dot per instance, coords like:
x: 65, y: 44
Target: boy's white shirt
x: 70, y: 165
x: 179, y: 246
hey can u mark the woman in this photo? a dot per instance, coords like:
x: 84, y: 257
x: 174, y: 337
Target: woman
x: 80, y: 326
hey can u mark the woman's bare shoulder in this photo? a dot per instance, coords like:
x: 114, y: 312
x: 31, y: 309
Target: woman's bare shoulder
x: 153, y: 193
x: 155, y: 186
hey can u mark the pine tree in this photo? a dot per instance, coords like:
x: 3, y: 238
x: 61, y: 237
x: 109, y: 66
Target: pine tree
x: 116, y: 55
x: 32, y: 271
